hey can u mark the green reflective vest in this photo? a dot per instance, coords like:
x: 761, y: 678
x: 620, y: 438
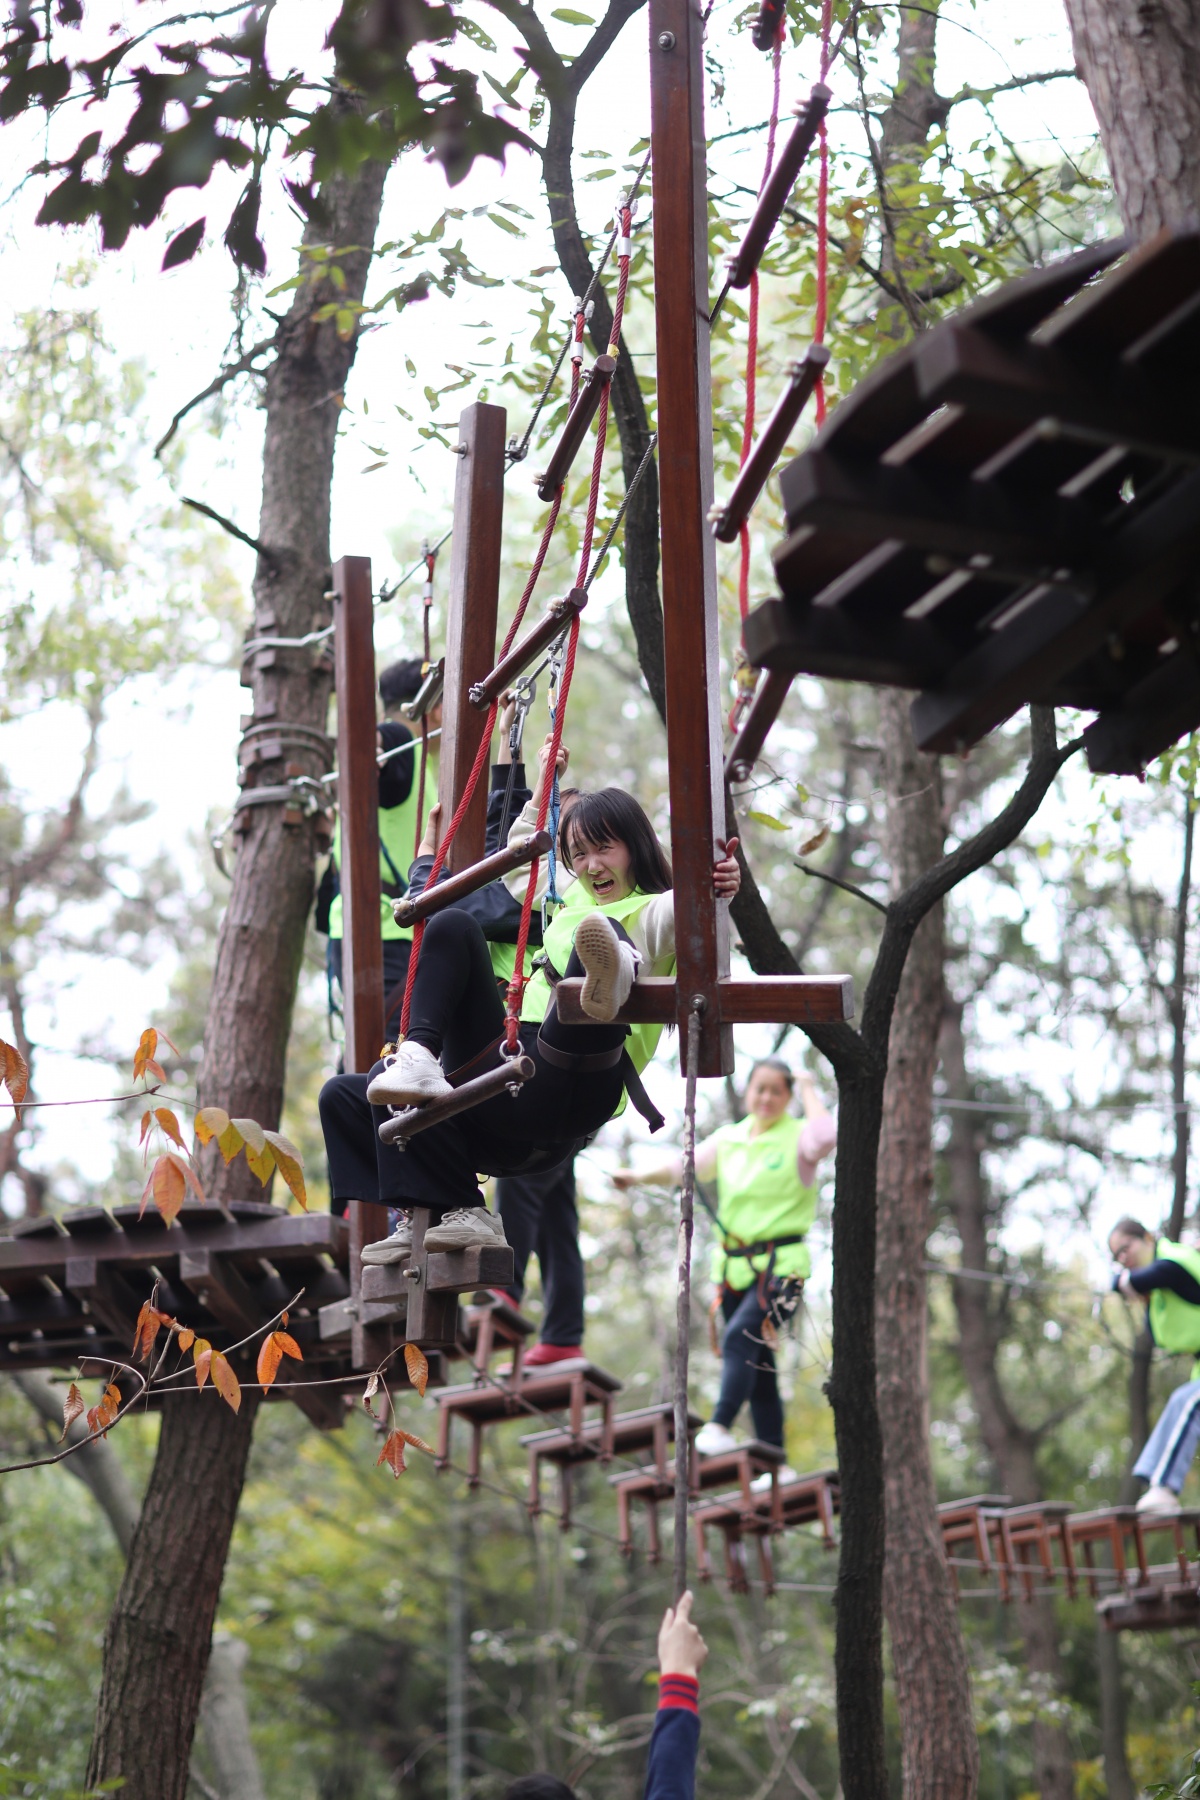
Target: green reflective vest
x: 760, y: 1196
x: 1174, y: 1321
x: 398, y: 836
x: 560, y: 941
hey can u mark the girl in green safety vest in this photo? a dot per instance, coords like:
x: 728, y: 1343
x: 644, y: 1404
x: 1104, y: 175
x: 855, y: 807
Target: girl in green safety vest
x: 765, y: 1168
x: 1166, y: 1276
x: 622, y: 923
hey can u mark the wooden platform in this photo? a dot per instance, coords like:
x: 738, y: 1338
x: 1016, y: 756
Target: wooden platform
x: 652, y: 1486
x: 802, y: 1500
x: 71, y: 1287
x: 1008, y: 510
x: 570, y: 1388
x: 650, y: 1428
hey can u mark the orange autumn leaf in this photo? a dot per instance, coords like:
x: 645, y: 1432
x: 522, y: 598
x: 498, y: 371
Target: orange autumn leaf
x: 148, y: 1322
x: 14, y: 1074
x: 169, y: 1181
x: 73, y: 1405
x: 187, y: 1338
x: 417, y: 1443
x: 100, y: 1417
x: 274, y: 1349
x: 393, y: 1453
x: 417, y: 1364
x: 170, y: 1125
x: 144, y: 1056
x: 202, y: 1352
x: 225, y: 1381
x: 289, y: 1163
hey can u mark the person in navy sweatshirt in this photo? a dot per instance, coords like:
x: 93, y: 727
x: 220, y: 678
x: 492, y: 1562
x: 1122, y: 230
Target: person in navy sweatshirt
x: 675, y: 1740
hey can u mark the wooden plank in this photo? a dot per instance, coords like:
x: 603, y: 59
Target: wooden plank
x: 960, y: 518
x: 358, y: 807
x: 471, y: 616
x: 107, y: 1295
x: 432, y: 1317
x: 288, y: 1237
x: 370, y: 1342
x: 1027, y: 383
x: 460, y: 1271
x: 1162, y: 707
x: 895, y: 653
x: 455, y: 887
x: 757, y: 1000
x: 689, y: 577
x: 223, y: 1291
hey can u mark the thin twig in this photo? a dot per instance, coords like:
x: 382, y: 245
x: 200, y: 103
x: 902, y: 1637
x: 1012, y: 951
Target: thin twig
x: 227, y: 525
x: 214, y: 387
x: 847, y: 887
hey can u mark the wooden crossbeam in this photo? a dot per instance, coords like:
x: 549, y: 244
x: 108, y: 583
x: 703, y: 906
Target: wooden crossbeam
x: 107, y: 1295
x: 286, y: 1238
x: 358, y: 807
x: 758, y: 1000
x: 456, y: 887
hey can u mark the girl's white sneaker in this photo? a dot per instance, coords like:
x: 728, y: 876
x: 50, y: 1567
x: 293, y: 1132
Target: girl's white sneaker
x: 610, y: 966
x: 412, y: 1077
x: 1159, y: 1500
x: 715, y: 1440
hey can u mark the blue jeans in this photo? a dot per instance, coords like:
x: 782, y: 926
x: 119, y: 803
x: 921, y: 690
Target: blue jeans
x: 1172, y: 1444
x: 748, y: 1363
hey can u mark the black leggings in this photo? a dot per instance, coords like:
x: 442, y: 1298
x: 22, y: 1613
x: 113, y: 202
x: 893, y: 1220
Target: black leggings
x: 457, y: 1013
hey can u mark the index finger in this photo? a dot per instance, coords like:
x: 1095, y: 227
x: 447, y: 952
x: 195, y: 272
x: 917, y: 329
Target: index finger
x: 683, y: 1611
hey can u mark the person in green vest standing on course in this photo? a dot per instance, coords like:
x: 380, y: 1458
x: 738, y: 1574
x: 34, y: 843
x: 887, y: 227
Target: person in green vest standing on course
x: 766, y: 1172
x: 399, y: 830
x: 1167, y: 1277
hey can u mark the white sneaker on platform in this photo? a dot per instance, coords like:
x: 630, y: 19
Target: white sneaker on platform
x: 761, y: 1483
x: 412, y: 1077
x: 715, y: 1440
x: 610, y: 966
x: 1159, y: 1500
x: 394, y: 1249
x: 465, y: 1227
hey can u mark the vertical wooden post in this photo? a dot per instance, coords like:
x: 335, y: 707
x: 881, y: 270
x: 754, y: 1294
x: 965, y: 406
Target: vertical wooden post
x: 471, y: 616
x: 362, y: 943
x: 689, y: 574
x: 358, y: 807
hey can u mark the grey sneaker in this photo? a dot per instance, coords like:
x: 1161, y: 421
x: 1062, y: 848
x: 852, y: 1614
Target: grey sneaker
x: 394, y: 1249
x: 610, y: 966
x: 465, y: 1227
x: 412, y: 1077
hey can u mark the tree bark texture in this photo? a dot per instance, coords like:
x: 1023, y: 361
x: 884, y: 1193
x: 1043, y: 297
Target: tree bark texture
x: 1011, y: 1443
x: 1141, y: 62
x: 262, y: 933
x: 939, y: 1747
x: 156, y: 1647
x: 157, y: 1644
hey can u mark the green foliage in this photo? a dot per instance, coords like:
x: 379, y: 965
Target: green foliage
x: 198, y: 104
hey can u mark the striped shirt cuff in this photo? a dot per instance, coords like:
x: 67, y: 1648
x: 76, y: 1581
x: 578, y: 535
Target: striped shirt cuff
x: 679, y: 1691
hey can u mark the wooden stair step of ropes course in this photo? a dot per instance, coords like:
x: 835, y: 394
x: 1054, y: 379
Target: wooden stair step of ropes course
x: 1008, y: 511
x: 650, y: 1428
x: 570, y: 1387
x: 972, y: 1521
x: 1029, y: 1535
x: 1118, y: 1527
x: 804, y: 1500
x: 1165, y: 1608
x: 652, y: 1486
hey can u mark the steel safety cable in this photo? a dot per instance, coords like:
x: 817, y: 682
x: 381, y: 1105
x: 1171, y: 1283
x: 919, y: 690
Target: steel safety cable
x: 752, y: 329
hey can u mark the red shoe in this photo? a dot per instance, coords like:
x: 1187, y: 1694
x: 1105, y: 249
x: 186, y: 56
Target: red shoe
x: 551, y: 1353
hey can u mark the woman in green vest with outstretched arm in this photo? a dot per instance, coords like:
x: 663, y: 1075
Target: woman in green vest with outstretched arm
x: 1167, y: 1277
x: 765, y: 1167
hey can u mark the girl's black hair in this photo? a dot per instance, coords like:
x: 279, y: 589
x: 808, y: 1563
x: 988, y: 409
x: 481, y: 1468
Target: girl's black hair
x: 612, y: 816
x: 1129, y: 1227
x: 778, y: 1065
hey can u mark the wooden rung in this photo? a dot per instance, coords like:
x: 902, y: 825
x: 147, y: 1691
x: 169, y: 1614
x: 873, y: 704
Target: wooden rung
x: 756, y: 470
x: 587, y: 402
x: 764, y: 709
x: 757, y: 1000
x: 511, y: 1074
x: 532, y: 644
x: 454, y: 888
x: 428, y: 694
x: 777, y: 191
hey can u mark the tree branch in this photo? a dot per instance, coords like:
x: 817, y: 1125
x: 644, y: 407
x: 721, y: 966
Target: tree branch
x: 214, y: 387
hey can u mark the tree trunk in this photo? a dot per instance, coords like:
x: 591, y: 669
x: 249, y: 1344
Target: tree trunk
x: 1141, y: 64
x: 940, y: 1751
x: 157, y: 1644
x: 1012, y: 1445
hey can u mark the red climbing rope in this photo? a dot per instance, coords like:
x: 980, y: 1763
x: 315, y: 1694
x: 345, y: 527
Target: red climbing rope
x: 518, y: 983
x: 516, y: 987
x: 752, y: 329
x: 822, y: 314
